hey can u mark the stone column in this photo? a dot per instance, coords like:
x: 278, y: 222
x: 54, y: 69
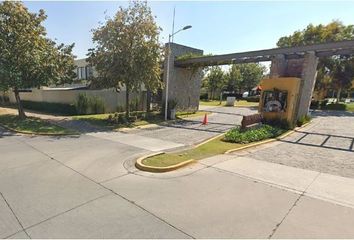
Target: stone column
x: 278, y: 66
x: 184, y: 83
x: 308, y: 80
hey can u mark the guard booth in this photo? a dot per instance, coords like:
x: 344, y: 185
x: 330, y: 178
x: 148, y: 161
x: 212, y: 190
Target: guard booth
x: 279, y: 98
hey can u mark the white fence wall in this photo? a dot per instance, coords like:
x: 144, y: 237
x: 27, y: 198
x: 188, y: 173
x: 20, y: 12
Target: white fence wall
x: 111, y: 98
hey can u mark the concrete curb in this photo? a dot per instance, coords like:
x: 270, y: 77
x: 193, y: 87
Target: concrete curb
x: 141, y: 166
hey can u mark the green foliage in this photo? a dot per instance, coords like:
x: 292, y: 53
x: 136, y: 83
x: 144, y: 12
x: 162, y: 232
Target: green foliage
x: 172, y: 104
x: 314, y: 104
x: 244, y: 76
x: 303, y: 119
x: 281, y: 123
x: 89, y: 104
x: 252, y: 99
x: 4, y: 100
x: 82, y: 104
x: 215, y: 81
x: 28, y: 58
x: 191, y: 55
x: 262, y: 132
x: 127, y: 51
x: 48, y: 107
x: 96, y: 105
x: 120, y: 118
x: 333, y: 72
x: 335, y: 106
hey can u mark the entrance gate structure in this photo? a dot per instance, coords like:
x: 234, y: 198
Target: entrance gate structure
x: 297, y: 62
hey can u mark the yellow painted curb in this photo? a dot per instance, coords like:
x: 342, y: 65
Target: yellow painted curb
x: 141, y: 166
x: 40, y: 134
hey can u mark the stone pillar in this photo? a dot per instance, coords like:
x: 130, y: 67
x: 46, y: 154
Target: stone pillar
x: 308, y: 80
x: 278, y: 66
x: 184, y: 83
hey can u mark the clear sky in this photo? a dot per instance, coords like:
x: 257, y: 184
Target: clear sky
x: 218, y: 27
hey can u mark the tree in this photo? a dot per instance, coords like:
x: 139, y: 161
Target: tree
x: 245, y: 76
x: 28, y: 58
x: 332, y: 71
x: 127, y: 51
x: 215, y: 80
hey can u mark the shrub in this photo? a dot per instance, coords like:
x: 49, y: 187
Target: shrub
x: 314, y: 104
x: 252, y: 135
x: 323, y: 104
x: 89, y: 104
x: 56, y: 108
x: 335, y: 106
x: 302, y: 120
x: 281, y: 123
x: 96, y: 105
x: 82, y: 104
x: 204, y: 96
x: 252, y: 99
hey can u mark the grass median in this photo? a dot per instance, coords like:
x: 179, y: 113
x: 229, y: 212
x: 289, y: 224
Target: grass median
x: 32, y: 125
x: 234, y: 139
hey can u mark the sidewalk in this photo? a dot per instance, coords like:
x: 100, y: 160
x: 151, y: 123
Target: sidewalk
x: 331, y: 188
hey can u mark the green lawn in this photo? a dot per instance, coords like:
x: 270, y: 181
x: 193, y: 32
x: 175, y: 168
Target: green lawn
x: 350, y: 107
x: 216, y: 103
x: 214, y: 147
x: 154, y: 118
x: 32, y: 125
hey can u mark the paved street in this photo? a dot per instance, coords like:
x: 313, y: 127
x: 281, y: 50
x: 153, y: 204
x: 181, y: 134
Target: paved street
x: 88, y: 187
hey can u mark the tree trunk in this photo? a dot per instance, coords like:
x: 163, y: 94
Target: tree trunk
x: 338, y: 94
x: 21, y: 112
x: 148, y: 100
x: 127, y: 105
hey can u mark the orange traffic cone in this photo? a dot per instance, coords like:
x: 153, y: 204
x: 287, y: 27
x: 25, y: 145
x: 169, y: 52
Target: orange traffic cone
x: 205, y: 120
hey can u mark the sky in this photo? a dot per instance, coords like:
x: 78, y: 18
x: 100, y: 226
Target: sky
x: 217, y: 27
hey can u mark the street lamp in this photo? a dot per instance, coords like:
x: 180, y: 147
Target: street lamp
x: 168, y: 65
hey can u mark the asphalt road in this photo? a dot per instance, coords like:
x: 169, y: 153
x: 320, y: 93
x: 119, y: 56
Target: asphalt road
x: 88, y: 187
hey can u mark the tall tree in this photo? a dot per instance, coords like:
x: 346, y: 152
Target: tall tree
x: 332, y: 71
x: 245, y: 76
x: 127, y: 51
x: 215, y: 80
x: 28, y: 58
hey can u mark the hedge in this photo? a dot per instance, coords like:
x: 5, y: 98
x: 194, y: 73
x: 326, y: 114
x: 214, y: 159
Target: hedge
x: 48, y: 107
x: 335, y: 106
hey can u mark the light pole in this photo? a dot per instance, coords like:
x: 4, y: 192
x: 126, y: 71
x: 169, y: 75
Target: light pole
x: 168, y: 66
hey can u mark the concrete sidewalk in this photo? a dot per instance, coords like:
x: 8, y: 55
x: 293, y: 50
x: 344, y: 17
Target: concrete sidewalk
x: 327, y: 187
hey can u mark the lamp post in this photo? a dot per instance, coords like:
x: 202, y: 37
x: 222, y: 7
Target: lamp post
x: 168, y: 65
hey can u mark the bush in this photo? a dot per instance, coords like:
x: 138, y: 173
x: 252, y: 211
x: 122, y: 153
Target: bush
x: 96, y: 105
x: 281, y: 123
x: 335, y: 106
x: 56, y: 108
x: 89, y: 104
x: 262, y: 132
x: 302, y: 120
x: 4, y: 99
x: 120, y: 118
x: 314, y: 104
x: 204, y: 96
x: 324, y: 104
x: 82, y: 104
x: 252, y: 99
